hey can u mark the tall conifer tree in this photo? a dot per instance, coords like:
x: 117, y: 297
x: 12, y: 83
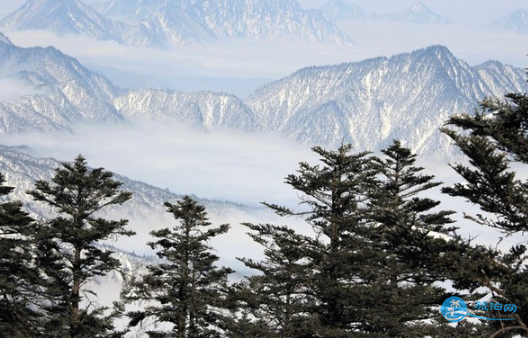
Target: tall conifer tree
x: 274, y: 302
x: 187, y: 291
x: 67, y: 246
x: 407, y: 238
x: 20, y: 282
x: 336, y: 193
x: 495, y: 139
x: 327, y: 271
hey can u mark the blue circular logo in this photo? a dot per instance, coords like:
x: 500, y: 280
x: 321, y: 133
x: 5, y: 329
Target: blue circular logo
x: 454, y: 309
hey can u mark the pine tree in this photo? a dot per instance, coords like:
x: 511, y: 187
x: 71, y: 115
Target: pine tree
x: 371, y: 267
x: 407, y: 238
x: 336, y: 195
x: 186, y: 292
x: 495, y: 139
x: 67, y: 246
x: 274, y: 301
x: 19, y: 278
x: 327, y: 270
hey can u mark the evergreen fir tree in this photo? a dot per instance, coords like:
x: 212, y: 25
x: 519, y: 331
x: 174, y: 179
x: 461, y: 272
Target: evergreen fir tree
x: 371, y: 267
x: 336, y: 195
x: 495, y: 138
x: 67, y: 246
x: 19, y: 278
x: 407, y: 239
x: 328, y: 272
x: 186, y: 292
x: 274, y: 302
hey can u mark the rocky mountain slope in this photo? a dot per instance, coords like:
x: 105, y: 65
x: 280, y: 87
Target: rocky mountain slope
x: 63, y: 91
x: 202, y: 109
x: 160, y: 23
x: 63, y: 17
x: 517, y: 21
x: 418, y: 13
x: 368, y: 103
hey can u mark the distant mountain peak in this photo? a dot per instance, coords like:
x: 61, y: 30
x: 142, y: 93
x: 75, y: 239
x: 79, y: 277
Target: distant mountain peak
x: 61, y: 17
x: 340, y: 10
x: 420, y: 8
x: 439, y: 50
x: 416, y: 14
x: 255, y: 19
x: 516, y: 21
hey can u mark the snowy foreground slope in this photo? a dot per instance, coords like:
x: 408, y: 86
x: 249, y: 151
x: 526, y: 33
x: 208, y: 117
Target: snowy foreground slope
x: 367, y: 103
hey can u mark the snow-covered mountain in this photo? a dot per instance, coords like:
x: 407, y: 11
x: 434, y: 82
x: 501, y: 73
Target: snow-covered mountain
x: 63, y: 17
x: 268, y: 19
x: 62, y: 91
x: 516, y: 21
x: 340, y: 10
x: 417, y: 14
x: 169, y: 25
x: 370, y: 103
x: 254, y: 19
x: 158, y: 23
x: 204, y: 109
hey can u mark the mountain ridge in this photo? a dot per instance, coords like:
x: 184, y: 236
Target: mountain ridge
x: 67, y: 92
x: 383, y: 91
x: 516, y: 21
x: 416, y: 14
x: 159, y: 24
x: 368, y: 103
x: 66, y: 16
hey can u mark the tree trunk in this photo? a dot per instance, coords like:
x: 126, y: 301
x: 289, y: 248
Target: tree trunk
x: 75, y: 295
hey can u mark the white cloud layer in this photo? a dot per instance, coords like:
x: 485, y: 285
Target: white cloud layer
x: 224, y: 165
